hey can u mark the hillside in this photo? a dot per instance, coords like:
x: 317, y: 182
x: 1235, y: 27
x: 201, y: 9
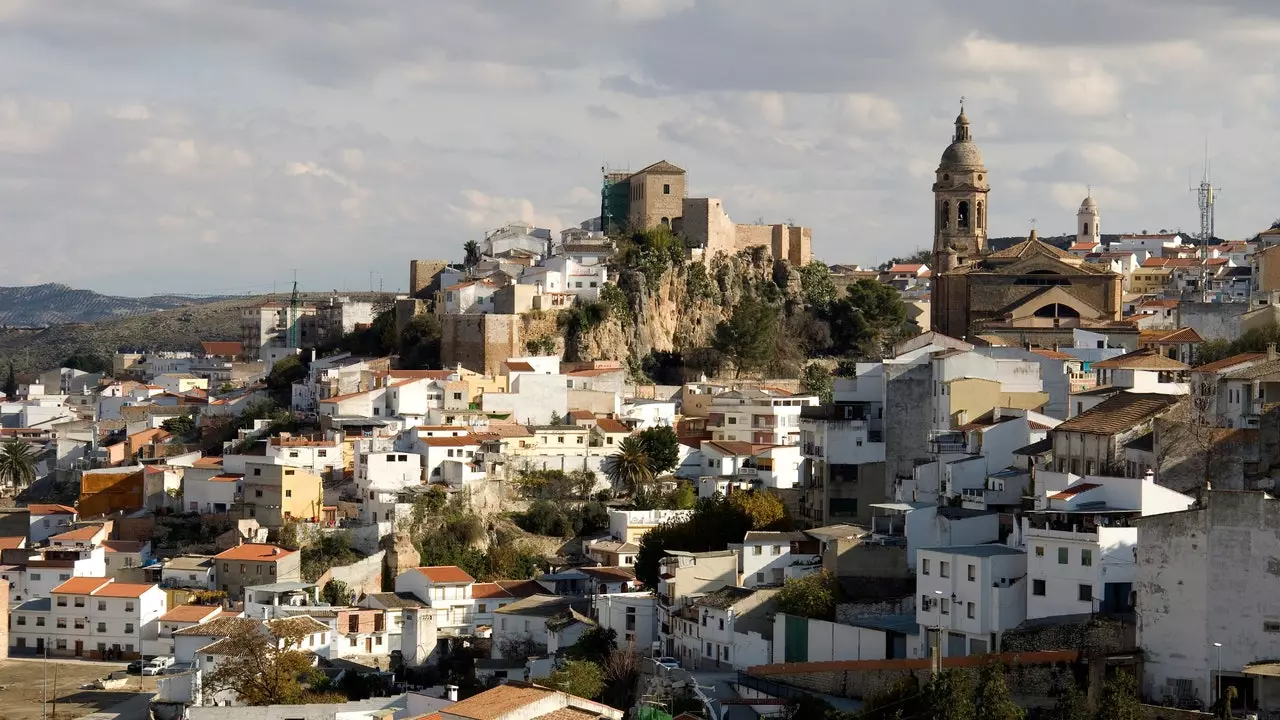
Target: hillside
x: 56, y: 304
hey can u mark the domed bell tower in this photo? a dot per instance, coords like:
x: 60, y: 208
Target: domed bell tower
x: 1088, y: 223
x: 959, y: 202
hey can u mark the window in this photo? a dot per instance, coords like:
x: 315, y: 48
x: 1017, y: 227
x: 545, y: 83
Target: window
x: 721, y: 623
x: 39, y: 621
x: 1271, y: 626
x: 1037, y: 587
x: 62, y: 601
x: 946, y: 606
x: 128, y: 606
x: 257, y: 471
x: 775, y: 550
x: 482, y: 607
x: 102, y: 606
x: 271, y: 569
x: 322, y: 453
x: 22, y: 619
x: 35, y: 576
x: 1062, y: 556
x: 759, y: 577
x: 128, y: 628
x: 288, y: 493
x: 1086, y: 557
x: 293, y: 453
x: 708, y: 649
x: 944, y: 569
x: 64, y: 576
x: 257, y: 493
x: 79, y: 623
x: 1085, y: 593
x: 757, y: 550
x: 243, y: 568
x: 61, y: 644
x: 971, y: 610
x: 973, y: 573
x: 666, y: 189
x: 924, y: 566
x: 102, y: 627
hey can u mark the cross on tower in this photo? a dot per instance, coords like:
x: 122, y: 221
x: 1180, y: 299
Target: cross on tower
x: 1033, y: 223
x: 962, y: 102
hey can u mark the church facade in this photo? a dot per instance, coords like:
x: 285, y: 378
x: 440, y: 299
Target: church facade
x: 1031, y: 286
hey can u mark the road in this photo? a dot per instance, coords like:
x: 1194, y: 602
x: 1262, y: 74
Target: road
x: 717, y: 686
x: 137, y: 707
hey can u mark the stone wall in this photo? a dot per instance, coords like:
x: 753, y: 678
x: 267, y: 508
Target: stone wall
x: 846, y: 613
x: 853, y: 558
x: 362, y: 576
x: 1212, y: 321
x: 1159, y: 712
x: 1091, y: 636
x: 480, y: 343
x: 424, y: 276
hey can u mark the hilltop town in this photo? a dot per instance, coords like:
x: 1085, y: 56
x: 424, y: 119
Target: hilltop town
x: 671, y: 462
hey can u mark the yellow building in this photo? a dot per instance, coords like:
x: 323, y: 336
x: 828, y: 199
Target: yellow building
x: 1150, y: 280
x: 971, y: 398
x: 275, y: 493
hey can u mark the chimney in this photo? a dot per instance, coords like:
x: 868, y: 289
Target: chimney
x: 451, y: 693
x: 275, y: 551
x: 1271, y: 351
x: 1150, y: 476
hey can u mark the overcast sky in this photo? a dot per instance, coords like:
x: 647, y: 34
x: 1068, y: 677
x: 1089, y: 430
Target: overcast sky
x: 215, y: 145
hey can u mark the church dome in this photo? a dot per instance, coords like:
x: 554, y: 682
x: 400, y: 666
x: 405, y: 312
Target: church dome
x: 1089, y: 205
x: 963, y: 153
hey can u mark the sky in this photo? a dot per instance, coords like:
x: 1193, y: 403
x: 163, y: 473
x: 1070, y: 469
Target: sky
x: 202, y: 146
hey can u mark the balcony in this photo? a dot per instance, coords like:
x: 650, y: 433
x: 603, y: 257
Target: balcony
x: 812, y: 449
x: 764, y: 422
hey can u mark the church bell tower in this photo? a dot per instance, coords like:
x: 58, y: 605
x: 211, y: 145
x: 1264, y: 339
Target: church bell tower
x: 959, y: 202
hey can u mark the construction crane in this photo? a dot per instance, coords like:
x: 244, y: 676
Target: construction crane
x: 293, y: 313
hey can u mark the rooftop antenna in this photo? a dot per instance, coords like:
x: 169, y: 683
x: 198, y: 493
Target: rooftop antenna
x: 1204, y: 196
x: 293, y: 312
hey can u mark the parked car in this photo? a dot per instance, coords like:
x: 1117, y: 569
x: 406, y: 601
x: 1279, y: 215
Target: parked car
x: 157, y: 665
x: 667, y: 664
x: 134, y: 667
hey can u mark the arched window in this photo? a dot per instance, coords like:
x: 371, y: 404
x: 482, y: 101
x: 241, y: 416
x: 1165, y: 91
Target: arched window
x: 666, y: 222
x: 1057, y: 310
x: 944, y: 220
x: 1086, y: 228
x: 977, y: 217
x: 962, y: 215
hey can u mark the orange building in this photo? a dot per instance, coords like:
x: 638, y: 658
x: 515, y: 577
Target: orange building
x: 110, y: 489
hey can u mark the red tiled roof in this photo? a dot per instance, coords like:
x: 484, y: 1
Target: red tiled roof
x: 451, y: 441
x: 1230, y: 362
x: 222, y: 348
x: 81, y: 585
x: 1073, y: 491
x: 12, y: 542
x: 51, y: 510
x: 190, y: 613
x: 208, y: 462
x: 122, y: 546
x: 484, y: 591
x: 254, y: 551
x: 518, y: 366
x: 1052, y: 354
x: 906, y: 268
x: 610, y: 425
x: 227, y: 477
x: 123, y: 590
x: 521, y: 588
x: 446, y: 574
x: 1181, y: 335
x: 85, y: 533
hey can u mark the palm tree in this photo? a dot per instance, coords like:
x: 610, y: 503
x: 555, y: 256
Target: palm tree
x: 472, y: 250
x: 630, y: 467
x: 17, y: 464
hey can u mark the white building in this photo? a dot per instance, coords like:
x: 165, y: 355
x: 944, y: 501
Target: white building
x: 319, y: 456
x: 446, y: 590
x: 974, y: 593
x: 188, y: 571
x: 49, y: 520
x: 88, y: 617
x: 381, y: 478
x: 1081, y: 543
x: 769, y: 466
x: 633, y: 616
x: 47, y: 568
x: 770, y: 558
x: 758, y: 416
x: 727, y: 629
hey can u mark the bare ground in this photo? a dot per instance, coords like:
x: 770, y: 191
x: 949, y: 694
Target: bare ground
x: 24, y: 680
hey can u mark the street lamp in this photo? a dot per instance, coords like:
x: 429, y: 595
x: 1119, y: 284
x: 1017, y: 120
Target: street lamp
x: 938, y: 635
x: 1218, y: 683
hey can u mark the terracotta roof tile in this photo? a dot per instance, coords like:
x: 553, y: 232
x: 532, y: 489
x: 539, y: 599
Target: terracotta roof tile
x: 51, y: 510
x: 518, y: 366
x: 1120, y: 412
x: 446, y: 574
x: 123, y: 590
x: 222, y: 348
x: 451, y: 441
x: 1180, y: 335
x: 81, y: 585
x: 1073, y: 490
x: 609, y: 425
x: 498, y: 702
x: 191, y: 613
x: 12, y: 542
x: 1145, y: 359
x: 484, y: 591
x: 254, y: 551
x: 85, y: 533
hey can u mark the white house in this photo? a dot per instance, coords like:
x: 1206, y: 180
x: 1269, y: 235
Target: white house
x: 527, y: 620
x: 447, y: 591
x: 633, y: 616
x: 759, y: 416
x: 769, y: 466
x: 49, y: 520
x: 1081, y: 543
x: 210, y: 491
x: 726, y: 629
x: 972, y: 594
x: 319, y: 456
x: 769, y: 558
x: 180, y: 617
x: 90, y: 617
x: 188, y: 571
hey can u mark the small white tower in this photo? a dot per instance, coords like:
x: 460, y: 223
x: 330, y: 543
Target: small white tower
x: 1088, y: 227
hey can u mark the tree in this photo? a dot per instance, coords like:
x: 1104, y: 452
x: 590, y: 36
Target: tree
x: 662, y: 447
x: 11, y: 383
x: 683, y: 497
x: 259, y: 671
x: 595, y: 645
x: 1119, y: 699
x: 283, y: 375
x: 420, y: 343
x: 1070, y: 703
x: 336, y: 592
x: 470, y: 253
x: 17, y: 464
x: 949, y: 695
x: 817, y: 380
x: 818, y: 288
x: 1223, y: 704
x: 87, y: 361
x: 993, y: 701
x: 582, y: 678
x: 630, y: 467
x: 762, y: 509
x: 812, y: 596
x: 748, y: 337
x: 179, y: 426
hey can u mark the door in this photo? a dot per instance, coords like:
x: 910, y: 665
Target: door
x: 79, y: 648
x: 797, y: 636
x: 368, y: 646
x: 40, y: 646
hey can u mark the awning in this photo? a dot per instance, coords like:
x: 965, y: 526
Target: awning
x: 1265, y: 669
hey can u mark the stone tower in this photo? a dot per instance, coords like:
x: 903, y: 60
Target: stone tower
x: 959, y: 202
x: 1088, y: 226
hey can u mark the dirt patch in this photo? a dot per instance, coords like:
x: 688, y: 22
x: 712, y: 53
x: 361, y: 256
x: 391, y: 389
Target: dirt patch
x: 26, y: 681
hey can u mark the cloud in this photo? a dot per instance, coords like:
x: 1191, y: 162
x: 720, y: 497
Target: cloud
x: 342, y: 138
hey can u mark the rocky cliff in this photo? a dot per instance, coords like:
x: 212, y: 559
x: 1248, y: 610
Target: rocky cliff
x: 677, y: 309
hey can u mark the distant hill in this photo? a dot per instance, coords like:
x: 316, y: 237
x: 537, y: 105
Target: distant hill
x: 57, y: 304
